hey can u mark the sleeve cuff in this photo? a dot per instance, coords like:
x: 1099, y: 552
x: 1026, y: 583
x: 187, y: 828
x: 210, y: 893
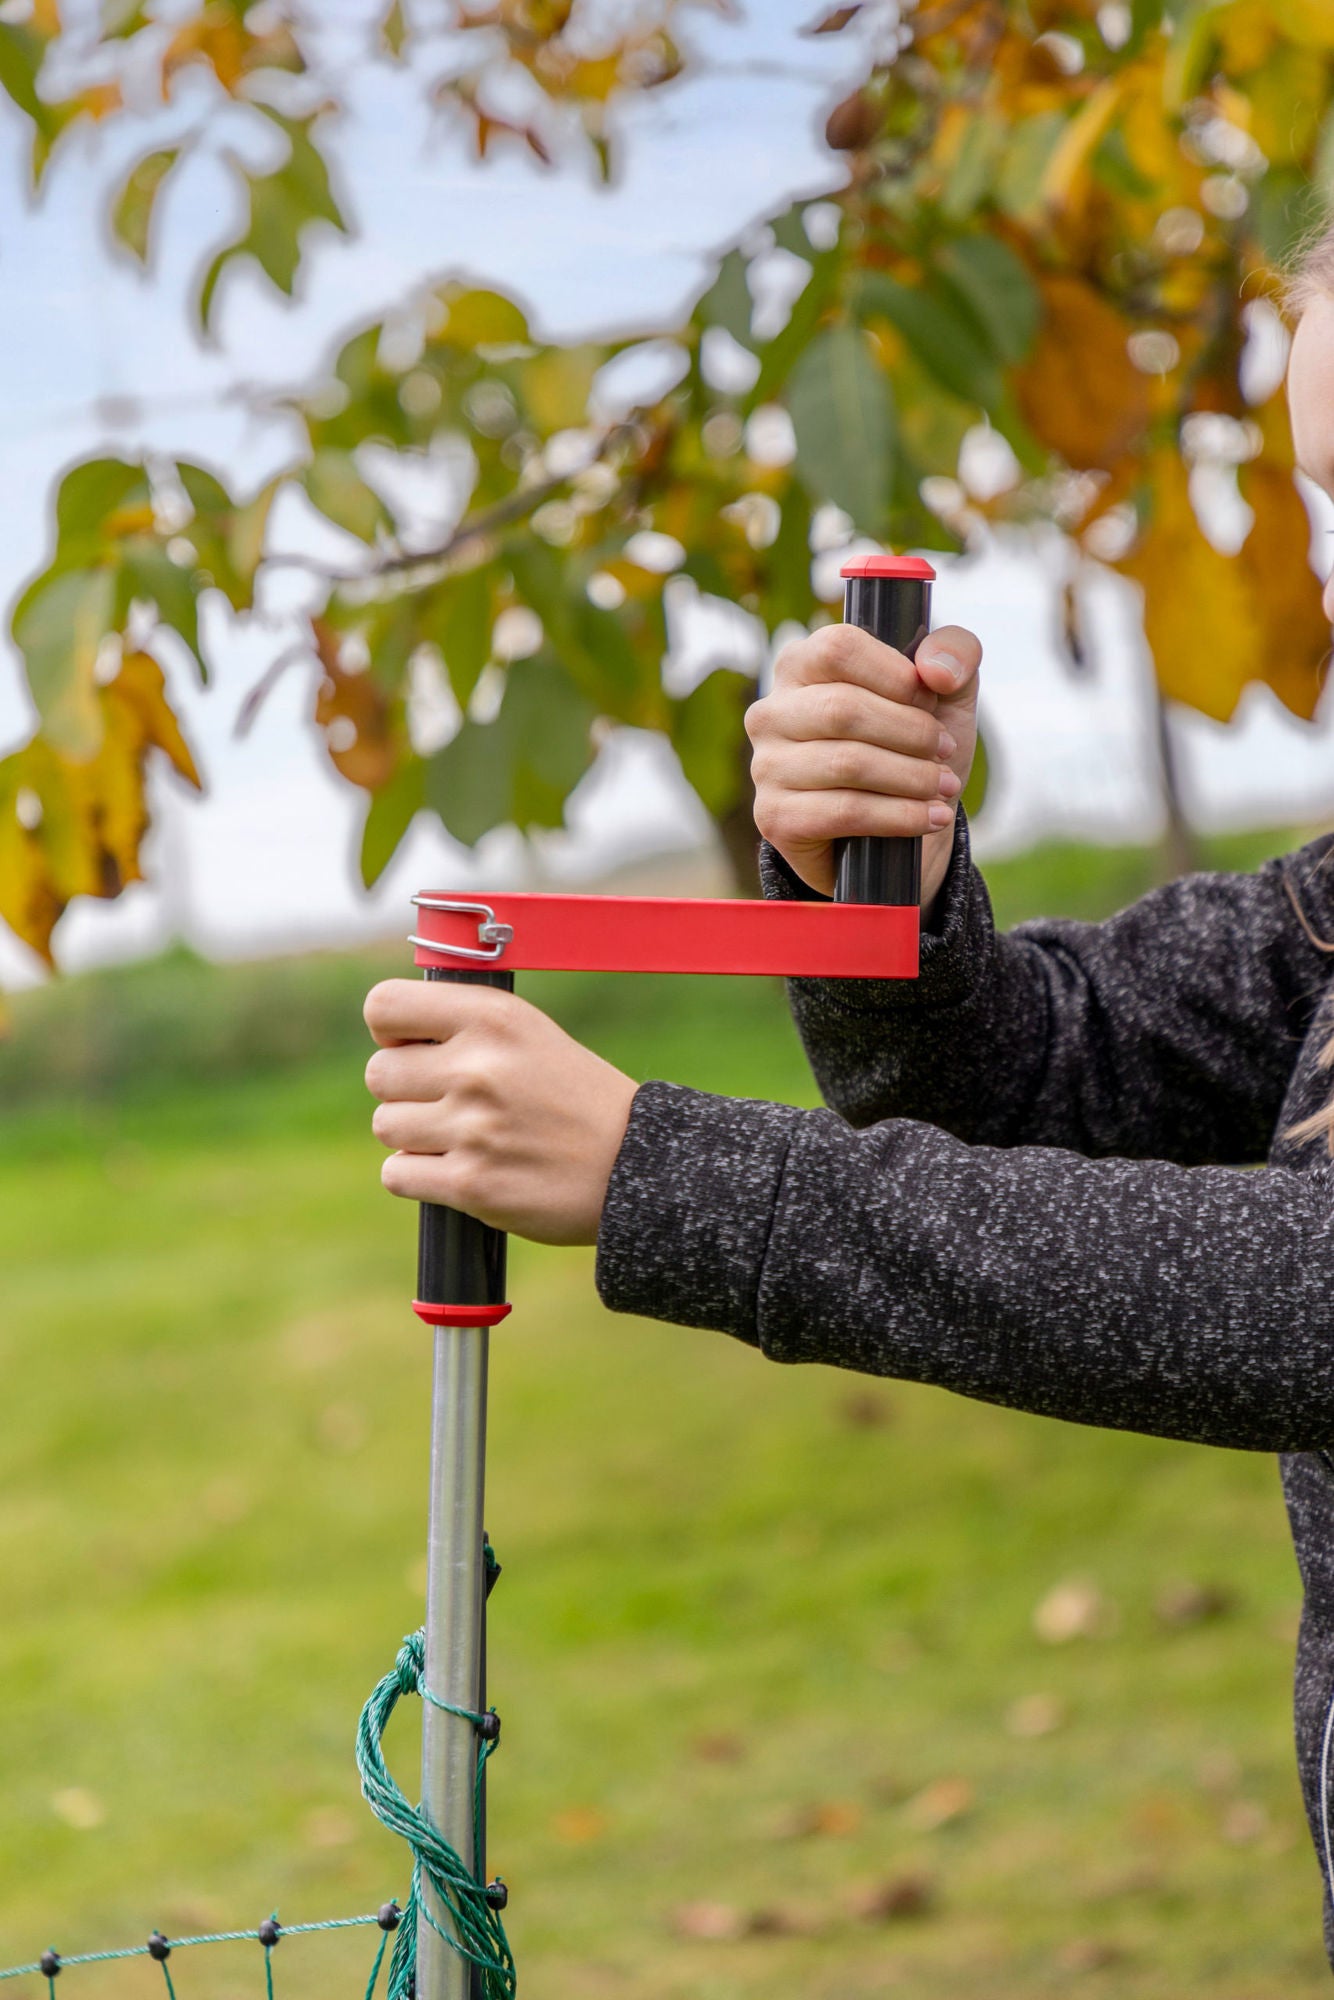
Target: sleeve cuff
x: 689, y: 1208
x: 953, y: 950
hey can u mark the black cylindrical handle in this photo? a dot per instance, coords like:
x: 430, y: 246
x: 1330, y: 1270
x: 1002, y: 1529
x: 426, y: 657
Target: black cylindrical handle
x: 460, y: 1262
x: 890, y: 597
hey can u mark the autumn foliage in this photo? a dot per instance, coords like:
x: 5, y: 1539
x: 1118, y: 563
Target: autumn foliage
x: 1061, y: 222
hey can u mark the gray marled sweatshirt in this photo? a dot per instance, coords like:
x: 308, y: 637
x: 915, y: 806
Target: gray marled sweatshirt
x: 1027, y: 1189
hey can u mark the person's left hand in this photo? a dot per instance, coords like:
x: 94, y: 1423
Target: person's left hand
x: 493, y: 1109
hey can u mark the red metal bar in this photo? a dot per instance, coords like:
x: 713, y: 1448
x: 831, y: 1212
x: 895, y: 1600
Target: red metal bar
x: 670, y: 934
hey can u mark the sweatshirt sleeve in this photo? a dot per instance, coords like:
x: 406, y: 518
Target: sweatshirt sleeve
x: 1169, y: 1031
x: 1191, y: 1303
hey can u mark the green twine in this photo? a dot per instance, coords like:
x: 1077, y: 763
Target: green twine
x: 477, y: 1932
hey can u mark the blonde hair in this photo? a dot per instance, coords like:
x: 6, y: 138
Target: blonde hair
x: 1311, y: 277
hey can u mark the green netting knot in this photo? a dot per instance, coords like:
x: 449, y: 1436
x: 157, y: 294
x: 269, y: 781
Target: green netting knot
x: 476, y: 1931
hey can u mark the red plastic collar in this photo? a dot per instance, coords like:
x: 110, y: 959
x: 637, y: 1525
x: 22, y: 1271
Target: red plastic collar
x: 460, y: 1315
x: 888, y: 566
x: 674, y: 934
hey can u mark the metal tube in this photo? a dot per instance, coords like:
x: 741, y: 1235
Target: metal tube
x: 455, y: 1596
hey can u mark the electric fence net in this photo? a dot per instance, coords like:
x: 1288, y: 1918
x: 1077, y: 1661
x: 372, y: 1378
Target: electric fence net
x: 472, y: 1904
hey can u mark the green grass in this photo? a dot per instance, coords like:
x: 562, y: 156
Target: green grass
x: 748, y: 1614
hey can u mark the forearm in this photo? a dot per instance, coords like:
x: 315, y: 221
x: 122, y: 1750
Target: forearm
x: 1168, y: 1031
x: 1136, y: 1295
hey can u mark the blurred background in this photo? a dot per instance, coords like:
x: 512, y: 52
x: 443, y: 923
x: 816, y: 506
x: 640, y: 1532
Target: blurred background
x: 424, y: 424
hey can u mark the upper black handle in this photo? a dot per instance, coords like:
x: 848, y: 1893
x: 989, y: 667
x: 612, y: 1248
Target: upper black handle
x: 890, y: 597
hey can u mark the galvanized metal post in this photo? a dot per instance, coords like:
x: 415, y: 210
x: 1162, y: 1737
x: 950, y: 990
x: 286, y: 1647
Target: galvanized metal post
x: 455, y: 1609
x: 460, y: 1292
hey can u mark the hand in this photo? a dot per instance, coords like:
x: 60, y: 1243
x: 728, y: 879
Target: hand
x: 855, y: 738
x: 493, y: 1109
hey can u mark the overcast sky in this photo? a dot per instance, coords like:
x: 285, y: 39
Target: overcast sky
x: 92, y: 358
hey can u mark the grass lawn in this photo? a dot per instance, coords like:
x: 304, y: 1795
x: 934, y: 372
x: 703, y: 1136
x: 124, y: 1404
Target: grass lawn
x: 778, y: 1719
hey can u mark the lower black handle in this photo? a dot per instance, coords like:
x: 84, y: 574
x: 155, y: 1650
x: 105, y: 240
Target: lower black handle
x: 460, y: 1261
x: 891, y: 599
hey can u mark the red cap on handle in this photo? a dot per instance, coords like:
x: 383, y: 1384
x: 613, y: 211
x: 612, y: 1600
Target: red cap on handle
x: 889, y: 566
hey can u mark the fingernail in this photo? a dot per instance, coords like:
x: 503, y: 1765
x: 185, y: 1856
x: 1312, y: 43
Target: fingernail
x: 947, y: 745
x: 950, y: 784
x: 940, y: 815
x: 941, y: 656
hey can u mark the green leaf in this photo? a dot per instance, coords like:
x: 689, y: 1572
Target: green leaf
x: 460, y: 621
x: 995, y: 285
x: 132, y: 211
x: 282, y: 205
x: 595, y: 646
x: 844, y: 421
x: 475, y: 317
x: 59, y: 624
x: 554, y: 386
x: 972, y: 177
x: 1018, y: 185
x: 789, y: 593
x: 394, y: 30
x: 1284, y: 206
x: 89, y: 498
x: 334, y: 485
x: 21, y: 55
x: 708, y: 735
x: 944, y: 337
x: 148, y: 573
x: 122, y: 18
x: 779, y: 356
x: 388, y: 817
x: 228, y: 539
x: 727, y: 302
x: 979, y: 778
x: 520, y: 769
x: 1113, y: 166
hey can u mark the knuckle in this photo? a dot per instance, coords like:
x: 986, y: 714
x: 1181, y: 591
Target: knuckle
x: 835, y: 709
x: 845, y: 765
x: 758, y: 718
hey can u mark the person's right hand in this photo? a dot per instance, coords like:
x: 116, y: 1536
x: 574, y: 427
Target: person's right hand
x: 856, y: 739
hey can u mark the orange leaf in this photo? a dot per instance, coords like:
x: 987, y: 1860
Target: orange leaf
x: 1079, y: 391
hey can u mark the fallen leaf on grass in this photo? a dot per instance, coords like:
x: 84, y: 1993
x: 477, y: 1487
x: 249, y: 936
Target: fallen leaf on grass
x: 715, y: 1923
x: 864, y: 1410
x: 719, y: 1749
x: 1035, y: 1715
x: 1245, y: 1821
x: 79, y: 1808
x: 578, y: 1824
x: 938, y: 1803
x: 1075, y: 1609
x: 329, y: 1827
x: 835, y: 1817
x: 1218, y: 1770
x: 724, y: 1923
x: 1181, y: 1604
x: 898, y: 1896
x: 1089, y: 1955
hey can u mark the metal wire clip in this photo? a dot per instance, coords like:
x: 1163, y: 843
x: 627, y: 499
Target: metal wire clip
x: 489, y: 933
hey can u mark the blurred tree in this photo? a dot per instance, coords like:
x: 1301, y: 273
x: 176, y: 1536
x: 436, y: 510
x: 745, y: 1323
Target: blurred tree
x: 1052, y: 227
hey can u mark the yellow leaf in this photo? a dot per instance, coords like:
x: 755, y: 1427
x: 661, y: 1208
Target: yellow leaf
x: 1070, y: 157
x: 1310, y: 22
x: 1273, y: 558
x: 1201, y: 616
x: 74, y: 826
